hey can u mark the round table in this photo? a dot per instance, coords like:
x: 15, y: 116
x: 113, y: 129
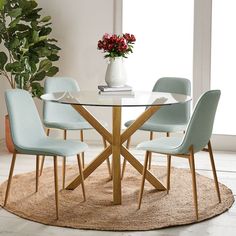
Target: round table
x: 153, y: 101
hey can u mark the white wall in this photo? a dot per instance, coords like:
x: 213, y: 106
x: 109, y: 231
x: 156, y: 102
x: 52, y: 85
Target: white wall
x: 78, y: 25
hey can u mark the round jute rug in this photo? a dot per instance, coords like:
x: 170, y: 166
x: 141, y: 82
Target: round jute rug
x: 158, y: 209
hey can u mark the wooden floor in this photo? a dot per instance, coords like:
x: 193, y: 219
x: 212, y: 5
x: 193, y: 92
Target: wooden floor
x: 224, y: 224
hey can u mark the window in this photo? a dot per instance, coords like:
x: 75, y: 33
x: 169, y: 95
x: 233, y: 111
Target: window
x: 164, y: 46
x: 223, y: 74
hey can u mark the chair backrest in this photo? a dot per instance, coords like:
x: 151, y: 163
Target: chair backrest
x: 25, y: 123
x: 200, y: 125
x: 55, y: 111
x: 177, y: 113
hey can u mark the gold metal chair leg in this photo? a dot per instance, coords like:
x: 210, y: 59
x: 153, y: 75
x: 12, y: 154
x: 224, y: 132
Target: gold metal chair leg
x: 191, y: 157
x: 64, y: 165
x: 143, y: 179
x: 190, y: 164
x: 82, y: 175
x: 109, y: 167
x: 168, y: 172
x: 41, y: 165
x: 124, y: 162
x: 63, y: 172
x: 10, y: 178
x: 82, y: 154
x: 107, y: 160
x: 43, y: 158
x: 37, y: 174
x: 56, y: 186
x: 214, y: 170
x: 150, y: 155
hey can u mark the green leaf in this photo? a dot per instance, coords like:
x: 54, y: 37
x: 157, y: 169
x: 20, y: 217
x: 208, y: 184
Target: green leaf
x: 15, y: 12
x: 8, y: 67
x: 45, y: 19
x: 53, y: 57
x: 3, y: 59
x: 53, y: 46
x: 44, y: 65
x: 24, y: 34
x: 37, y: 89
x: 33, y: 67
x: 45, y: 31
x: 14, y: 43
x: 2, y: 26
x: 26, y: 75
x: 43, y: 52
x: 43, y: 38
x: 2, y: 4
x: 35, y: 36
x: 26, y: 64
x: 22, y: 80
x: 34, y: 57
x: 17, y: 67
x: 22, y: 27
x: 34, y: 24
x: 28, y: 5
x: 39, y: 76
x: 14, y: 22
x: 19, y: 81
x: 52, y: 71
x: 52, y: 40
x: 33, y: 15
x: 47, y: 24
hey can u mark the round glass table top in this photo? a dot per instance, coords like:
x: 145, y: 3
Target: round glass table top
x: 138, y: 98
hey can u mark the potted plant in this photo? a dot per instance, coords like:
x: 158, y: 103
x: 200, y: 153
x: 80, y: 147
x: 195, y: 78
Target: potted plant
x: 27, y: 51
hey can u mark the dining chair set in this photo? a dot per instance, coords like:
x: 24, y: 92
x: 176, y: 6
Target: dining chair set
x: 29, y: 136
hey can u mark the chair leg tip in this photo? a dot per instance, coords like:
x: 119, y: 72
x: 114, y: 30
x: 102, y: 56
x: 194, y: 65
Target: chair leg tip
x: 5, y: 203
x: 197, y: 217
x: 139, y: 206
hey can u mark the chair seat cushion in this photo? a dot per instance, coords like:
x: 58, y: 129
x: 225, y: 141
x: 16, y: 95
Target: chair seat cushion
x: 68, y: 125
x: 160, y: 127
x: 169, y: 145
x: 52, y: 147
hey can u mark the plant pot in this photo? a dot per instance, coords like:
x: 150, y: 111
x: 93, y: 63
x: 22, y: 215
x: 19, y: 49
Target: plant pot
x: 116, y: 74
x: 9, y: 142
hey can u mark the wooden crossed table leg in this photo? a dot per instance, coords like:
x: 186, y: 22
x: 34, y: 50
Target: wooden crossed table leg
x: 116, y: 147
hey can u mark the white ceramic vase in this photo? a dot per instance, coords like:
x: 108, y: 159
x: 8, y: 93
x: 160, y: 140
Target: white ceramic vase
x: 116, y: 74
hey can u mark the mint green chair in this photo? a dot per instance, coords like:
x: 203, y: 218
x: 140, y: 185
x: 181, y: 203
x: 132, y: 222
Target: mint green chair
x: 197, y: 136
x: 29, y: 137
x: 64, y: 117
x: 169, y: 118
